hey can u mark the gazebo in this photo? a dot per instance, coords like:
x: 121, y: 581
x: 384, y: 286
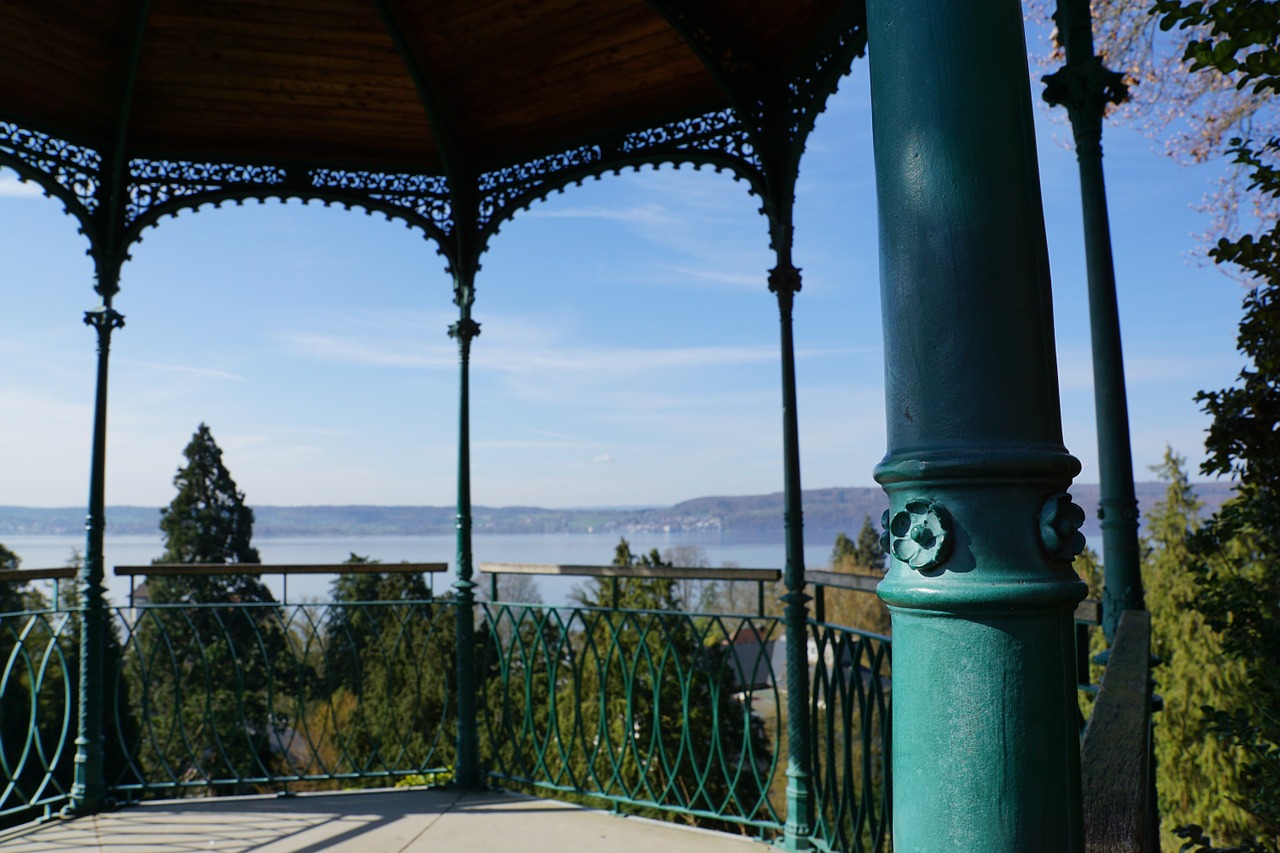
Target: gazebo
x: 453, y: 117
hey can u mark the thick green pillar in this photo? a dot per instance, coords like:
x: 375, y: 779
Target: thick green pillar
x: 980, y: 530
x: 88, y: 788
x: 1085, y: 88
x: 467, y: 765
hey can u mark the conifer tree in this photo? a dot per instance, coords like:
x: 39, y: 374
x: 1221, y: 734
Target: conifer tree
x: 1197, y: 776
x: 208, y: 675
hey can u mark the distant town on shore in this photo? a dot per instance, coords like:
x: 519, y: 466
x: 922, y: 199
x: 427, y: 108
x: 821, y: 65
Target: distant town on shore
x: 824, y: 510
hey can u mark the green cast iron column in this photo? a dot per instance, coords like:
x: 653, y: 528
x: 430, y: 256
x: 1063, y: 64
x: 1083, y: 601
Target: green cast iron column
x: 784, y: 280
x: 88, y: 788
x: 1085, y: 88
x: 467, y: 765
x: 979, y: 530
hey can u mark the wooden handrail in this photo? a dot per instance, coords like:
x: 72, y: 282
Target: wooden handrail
x: 199, y: 569
x: 1115, y: 755
x: 669, y: 572
x: 22, y: 575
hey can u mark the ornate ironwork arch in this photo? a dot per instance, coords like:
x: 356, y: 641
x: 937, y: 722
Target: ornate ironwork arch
x: 61, y: 169
x: 715, y: 139
x: 166, y: 188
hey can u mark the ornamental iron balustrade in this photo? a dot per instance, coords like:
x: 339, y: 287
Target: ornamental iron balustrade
x: 38, y: 654
x: 669, y: 713
x: 245, y: 697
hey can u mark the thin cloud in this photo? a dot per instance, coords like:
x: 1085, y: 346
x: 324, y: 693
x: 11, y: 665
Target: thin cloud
x: 645, y: 214
x: 184, y: 369
x: 603, y: 458
x: 355, y: 351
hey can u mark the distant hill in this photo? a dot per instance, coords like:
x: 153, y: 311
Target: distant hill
x: 826, y: 511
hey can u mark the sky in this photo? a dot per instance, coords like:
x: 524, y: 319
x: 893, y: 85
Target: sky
x: 629, y: 345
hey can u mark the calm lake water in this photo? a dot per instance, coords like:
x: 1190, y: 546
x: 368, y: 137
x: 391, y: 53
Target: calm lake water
x: 579, y: 549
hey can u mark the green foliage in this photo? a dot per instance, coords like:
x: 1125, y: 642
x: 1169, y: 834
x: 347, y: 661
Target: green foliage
x: 856, y: 609
x: 653, y: 701
x: 865, y: 551
x: 380, y: 631
x: 1241, y: 38
x: 208, y: 520
x: 1197, y: 777
x: 210, y: 673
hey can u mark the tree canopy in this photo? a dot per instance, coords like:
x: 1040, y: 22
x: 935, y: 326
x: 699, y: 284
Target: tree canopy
x: 208, y: 520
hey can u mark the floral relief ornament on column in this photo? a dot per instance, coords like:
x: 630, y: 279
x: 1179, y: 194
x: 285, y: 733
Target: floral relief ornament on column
x: 919, y: 534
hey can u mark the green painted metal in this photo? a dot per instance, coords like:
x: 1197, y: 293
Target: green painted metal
x: 1085, y: 87
x: 242, y: 698
x: 849, y: 706
x: 468, y: 773
x: 784, y: 281
x: 985, y: 744
x: 37, y: 707
x: 88, y: 792
x: 655, y: 712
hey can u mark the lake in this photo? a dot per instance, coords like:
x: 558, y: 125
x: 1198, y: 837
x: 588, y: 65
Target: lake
x: 746, y: 551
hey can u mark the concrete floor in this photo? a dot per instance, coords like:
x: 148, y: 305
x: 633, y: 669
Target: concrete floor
x: 408, y: 820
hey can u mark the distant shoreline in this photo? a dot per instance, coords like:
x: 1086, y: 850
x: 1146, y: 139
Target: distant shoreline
x: 825, y: 511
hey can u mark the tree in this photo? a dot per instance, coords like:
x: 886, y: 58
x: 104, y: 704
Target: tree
x: 1236, y: 554
x: 865, y: 551
x: 1231, y: 43
x: 208, y: 520
x: 647, y: 707
x: 1197, y: 777
x: 390, y: 646
x: 208, y: 675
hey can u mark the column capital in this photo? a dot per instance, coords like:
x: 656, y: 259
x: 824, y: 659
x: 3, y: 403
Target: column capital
x: 784, y: 278
x: 104, y: 318
x: 464, y: 330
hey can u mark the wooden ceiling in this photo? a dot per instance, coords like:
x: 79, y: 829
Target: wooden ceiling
x: 394, y: 84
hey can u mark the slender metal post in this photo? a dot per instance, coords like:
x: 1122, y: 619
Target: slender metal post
x: 980, y: 530
x: 1085, y: 87
x: 467, y: 765
x: 784, y: 280
x: 88, y: 788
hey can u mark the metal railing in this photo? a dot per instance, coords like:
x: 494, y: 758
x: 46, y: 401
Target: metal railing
x: 850, y: 698
x: 649, y: 709
x: 634, y: 701
x: 38, y: 676
x: 253, y: 695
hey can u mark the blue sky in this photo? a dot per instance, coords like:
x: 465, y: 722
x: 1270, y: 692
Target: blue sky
x: 629, y: 352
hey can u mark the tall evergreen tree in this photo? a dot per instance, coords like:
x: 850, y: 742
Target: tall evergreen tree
x: 1198, y: 778
x: 208, y: 675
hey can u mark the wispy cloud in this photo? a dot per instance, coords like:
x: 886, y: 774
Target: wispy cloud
x: 352, y: 350
x: 11, y: 187
x: 209, y: 372
x: 603, y: 458
x: 645, y: 214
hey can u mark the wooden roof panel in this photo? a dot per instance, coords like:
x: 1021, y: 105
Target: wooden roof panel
x: 62, y: 61
x: 285, y: 80
x: 281, y: 78
x: 521, y: 79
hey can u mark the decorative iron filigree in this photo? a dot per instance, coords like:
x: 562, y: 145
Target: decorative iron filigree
x: 808, y: 90
x: 426, y: 195
x: 75, y: 168
x: 721, y: 132
x: 522, y: 181
x: 153, y: 183
x: 716, y: 138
